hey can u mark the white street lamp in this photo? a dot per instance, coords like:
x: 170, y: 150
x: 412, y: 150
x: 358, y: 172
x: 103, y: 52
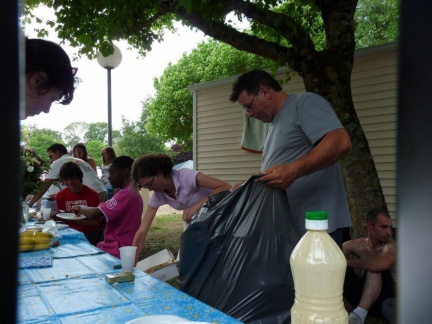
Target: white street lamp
x: 110, y: 62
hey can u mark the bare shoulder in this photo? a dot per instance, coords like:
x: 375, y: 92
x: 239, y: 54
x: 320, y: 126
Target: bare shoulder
x: 356, y: 242
x: 389, y: 248
x: 92, y: 162
x: 356, y: 246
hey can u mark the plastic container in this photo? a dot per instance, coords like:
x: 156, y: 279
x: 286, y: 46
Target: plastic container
x: 25, y: 210
x: 318, y: 266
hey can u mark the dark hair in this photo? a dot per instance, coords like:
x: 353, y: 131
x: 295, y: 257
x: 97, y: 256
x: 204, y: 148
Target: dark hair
x: 57, y: 147
x: 122, y: 162
x: 372, y: 215
x: 70, y: 170
x: 150, y: 164
x: 50, y: 58
x: 111, y: 153
x: 251, y: 82
x: 83, y: 147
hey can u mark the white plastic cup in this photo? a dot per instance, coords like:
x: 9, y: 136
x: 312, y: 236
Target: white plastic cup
x: 127, y: 257
x: 25, y: 209
x: 46, y: 213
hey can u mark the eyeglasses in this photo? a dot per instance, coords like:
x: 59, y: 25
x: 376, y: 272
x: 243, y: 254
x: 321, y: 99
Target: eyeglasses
x: 248, y: 107
x: 148, y: 184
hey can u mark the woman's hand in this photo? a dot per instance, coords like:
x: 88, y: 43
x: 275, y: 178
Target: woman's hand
x: 233, y: 188
x: 190, y: 212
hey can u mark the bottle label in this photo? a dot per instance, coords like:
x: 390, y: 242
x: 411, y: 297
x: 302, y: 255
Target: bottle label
x: 317, y: 225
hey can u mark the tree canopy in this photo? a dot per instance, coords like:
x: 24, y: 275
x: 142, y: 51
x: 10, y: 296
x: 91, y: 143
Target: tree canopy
x: 377, y: 22
x: 40, y: 141
x: 136, y: 141
x: 73, y: 133
x: 97, y: 131
x: 94, y: 149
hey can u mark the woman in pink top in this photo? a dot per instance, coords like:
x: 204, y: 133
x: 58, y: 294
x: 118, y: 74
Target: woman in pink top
x: 122, y: 212
x: 184, y: 189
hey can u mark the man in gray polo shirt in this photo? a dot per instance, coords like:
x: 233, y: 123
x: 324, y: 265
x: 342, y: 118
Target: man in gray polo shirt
x: 304, y: 142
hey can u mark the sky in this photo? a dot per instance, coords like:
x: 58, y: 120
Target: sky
x: 131, y: 81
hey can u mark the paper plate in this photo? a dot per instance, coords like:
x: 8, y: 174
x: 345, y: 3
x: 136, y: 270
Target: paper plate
x: 162, y: 319
x: 70, y: 216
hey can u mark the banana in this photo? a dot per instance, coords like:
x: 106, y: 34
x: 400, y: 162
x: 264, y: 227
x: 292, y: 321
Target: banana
x: 35, y: 233
x: 39, y: 240
x: 26, y: 247
x: 29, y: 233
x: 41, y: 246
x: 26, y: 240
x: 34, y: 239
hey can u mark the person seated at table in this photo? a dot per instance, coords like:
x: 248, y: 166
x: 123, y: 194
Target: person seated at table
x: 80, y: 151
x: 49, y: 76
x: 78, y: 193
x: 122, y: 212
x: 58, y: 156
x: 108, y: 154
x: 184, y: 189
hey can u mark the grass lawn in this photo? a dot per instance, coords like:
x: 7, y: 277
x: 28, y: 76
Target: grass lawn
x: 166, y: 234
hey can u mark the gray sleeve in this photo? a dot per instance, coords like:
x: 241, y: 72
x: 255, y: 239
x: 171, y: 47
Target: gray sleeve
x: 316, y: 116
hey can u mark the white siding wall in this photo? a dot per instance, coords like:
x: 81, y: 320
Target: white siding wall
x: 218, y: 122
x: 374, y: 86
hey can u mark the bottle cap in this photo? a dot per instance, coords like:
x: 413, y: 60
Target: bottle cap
x: 316, y: 220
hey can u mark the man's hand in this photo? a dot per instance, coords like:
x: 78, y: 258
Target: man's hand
x: 328, y: 151
x: 280, y: 176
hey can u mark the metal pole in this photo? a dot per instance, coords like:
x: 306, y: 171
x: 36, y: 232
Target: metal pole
x: 109, y: 108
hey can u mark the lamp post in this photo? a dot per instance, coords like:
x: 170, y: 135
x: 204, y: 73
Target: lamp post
x: 110, y: 62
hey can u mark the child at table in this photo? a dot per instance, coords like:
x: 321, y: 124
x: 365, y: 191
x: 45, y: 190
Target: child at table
x: 78, y: 193
x: 122, y: 212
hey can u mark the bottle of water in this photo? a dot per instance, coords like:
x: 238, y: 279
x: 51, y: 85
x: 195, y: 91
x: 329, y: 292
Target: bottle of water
x: 318, y: 266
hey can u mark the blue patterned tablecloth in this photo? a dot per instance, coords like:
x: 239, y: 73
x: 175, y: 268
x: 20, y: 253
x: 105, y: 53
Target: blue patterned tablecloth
x: 74, y: 290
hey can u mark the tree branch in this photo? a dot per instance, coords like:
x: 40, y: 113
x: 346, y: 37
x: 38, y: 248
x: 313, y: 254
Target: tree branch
x: 281, y: 23
x: 242, y: 41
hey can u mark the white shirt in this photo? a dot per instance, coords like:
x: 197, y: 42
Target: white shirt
x: 90, y: 177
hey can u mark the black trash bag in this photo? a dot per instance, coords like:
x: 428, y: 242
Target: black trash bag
x: 235, y: 257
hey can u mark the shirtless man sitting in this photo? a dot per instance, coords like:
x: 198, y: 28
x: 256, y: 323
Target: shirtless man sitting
x: 376, y: 256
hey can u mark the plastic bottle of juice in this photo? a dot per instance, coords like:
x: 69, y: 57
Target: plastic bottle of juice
x: 318, y: 266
